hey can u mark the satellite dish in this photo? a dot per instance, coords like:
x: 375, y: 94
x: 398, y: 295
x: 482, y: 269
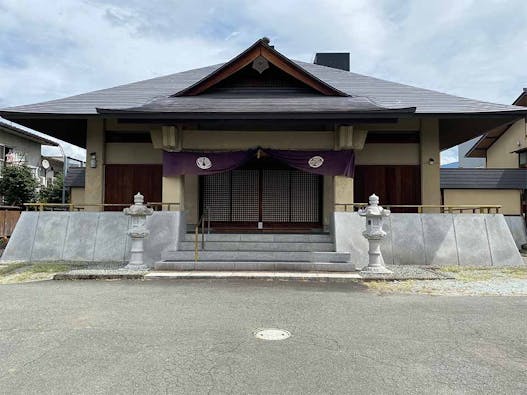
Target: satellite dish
x: 45, y: 164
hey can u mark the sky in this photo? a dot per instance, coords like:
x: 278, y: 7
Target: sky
x: 53, y: 49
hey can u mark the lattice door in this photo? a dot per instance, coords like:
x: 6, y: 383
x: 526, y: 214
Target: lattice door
x: 217, y: 196
x: 276, y: 205
x: 245, y: 196
x: 266, y: 195
x: 305, y: 197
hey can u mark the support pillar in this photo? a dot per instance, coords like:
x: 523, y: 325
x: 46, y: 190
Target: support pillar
x: 94, y: 184
x: 173, y: 191
x: 430, y: 163
x: 343, y: 192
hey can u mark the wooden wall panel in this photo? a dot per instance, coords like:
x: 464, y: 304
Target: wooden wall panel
x: 122, y: 182
x: 394, y: 184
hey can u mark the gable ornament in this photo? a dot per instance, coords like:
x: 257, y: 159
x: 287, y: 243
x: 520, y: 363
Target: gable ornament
x: 260, y: 64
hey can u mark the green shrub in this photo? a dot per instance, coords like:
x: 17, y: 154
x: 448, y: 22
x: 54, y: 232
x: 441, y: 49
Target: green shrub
x: 53, y: 193
x: 18, y: 185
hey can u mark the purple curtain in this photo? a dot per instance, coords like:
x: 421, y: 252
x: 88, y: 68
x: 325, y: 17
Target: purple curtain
x: 199, y: 163
x: 327, y: 163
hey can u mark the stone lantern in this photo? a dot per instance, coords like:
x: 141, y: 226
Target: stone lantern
x: 137, y: 232
x: 374, y: 233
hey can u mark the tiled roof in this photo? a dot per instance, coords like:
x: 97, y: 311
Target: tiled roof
x: 483, y: 178
x: 75, y: 177
x: 377, y: 92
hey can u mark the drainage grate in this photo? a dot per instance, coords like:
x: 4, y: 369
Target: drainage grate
x: 271, y: 334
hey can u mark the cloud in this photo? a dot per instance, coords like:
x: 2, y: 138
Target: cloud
x: 55, y: 49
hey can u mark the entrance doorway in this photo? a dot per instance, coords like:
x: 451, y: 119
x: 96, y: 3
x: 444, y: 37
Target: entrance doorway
x: 264, y: 195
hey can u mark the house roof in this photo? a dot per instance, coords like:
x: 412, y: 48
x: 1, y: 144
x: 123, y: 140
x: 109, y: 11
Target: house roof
x: 153, y: 94
x: 22, y: 131
x: 75, y: 177
x: 479, y: 149
x: 483, y: 178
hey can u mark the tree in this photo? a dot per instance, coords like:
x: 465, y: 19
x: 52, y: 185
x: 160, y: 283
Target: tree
x: 18, y: 185
x: 53, y: 193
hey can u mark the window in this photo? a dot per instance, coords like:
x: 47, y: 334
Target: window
x: 522, y: 157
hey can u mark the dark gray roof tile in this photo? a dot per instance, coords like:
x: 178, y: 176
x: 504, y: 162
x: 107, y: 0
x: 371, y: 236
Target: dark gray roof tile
x: 75, y: 177
x: 379, y: 92
x: 483, y: 178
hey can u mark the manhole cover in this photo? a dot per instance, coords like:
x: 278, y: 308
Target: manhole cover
x: 271, y: 334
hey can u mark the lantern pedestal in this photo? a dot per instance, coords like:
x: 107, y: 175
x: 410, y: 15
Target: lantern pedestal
x: 375, y: 260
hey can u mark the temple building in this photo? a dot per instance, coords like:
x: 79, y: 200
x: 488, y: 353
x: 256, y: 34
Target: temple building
x: 263, y: 142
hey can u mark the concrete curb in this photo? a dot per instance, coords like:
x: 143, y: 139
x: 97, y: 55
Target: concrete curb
x: 99, y: 275
x: 254, y: 275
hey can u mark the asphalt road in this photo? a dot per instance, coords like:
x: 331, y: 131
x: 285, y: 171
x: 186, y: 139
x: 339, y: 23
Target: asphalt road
x: 197, y: 337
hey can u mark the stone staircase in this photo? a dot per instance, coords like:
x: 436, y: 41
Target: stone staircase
x: 261, y: 252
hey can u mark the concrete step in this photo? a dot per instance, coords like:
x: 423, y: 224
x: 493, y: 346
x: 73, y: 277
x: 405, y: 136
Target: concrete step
x: 258, y: 246
x: 255, y: 266
x: 252, y: 256
x: 264, y: 237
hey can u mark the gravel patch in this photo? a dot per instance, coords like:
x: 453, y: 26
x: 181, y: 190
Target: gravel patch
x: 406, y: 272
x: 477, y: 281
x: 496, y: 286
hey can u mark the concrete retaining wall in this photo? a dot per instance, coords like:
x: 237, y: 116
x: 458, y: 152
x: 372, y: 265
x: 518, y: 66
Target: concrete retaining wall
x: 432, y: 239
x: 413, y: 239
x: 89, y: 237
x: 516, y: 225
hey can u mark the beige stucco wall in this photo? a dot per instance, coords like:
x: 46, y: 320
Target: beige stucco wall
x: 388, y: 154
x: 94, y: 176
x: 77, y: 195
x: 509, y: 199
x: 133, y: 153
x: 499, y: 155
x: 172, y: 189
x: 227, y: 140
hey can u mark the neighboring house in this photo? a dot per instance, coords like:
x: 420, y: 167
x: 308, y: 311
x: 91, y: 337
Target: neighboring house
x: 266, y: 142
x: 54, y: 155
x: 463, y: 161
x: 469, y: 162
x: 19, y: 145
x: 44, y: 155
x: 502, y: 181
x: 74, y: 181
